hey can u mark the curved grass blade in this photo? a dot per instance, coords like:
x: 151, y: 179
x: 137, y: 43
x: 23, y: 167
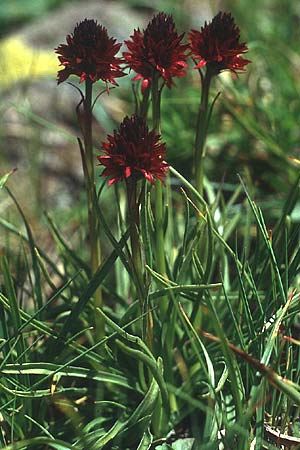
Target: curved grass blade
x: 146, y: 441
x: 4, y: 178
x: 49, y: 369
x: 12, y: 229
x: 154, y: 369
x: 43, y: 328
x: 76, y: 260
x: 35, y: 264
x: 38, y: 441
x: 92, y: 286
x: 264, y: 232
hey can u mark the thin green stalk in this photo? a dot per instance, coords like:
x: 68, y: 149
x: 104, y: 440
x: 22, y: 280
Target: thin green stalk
x: 145, y: 103
x: 203, y: 117
x: 159, y: 210
x: 201, y: 131
x: 167, y: 340
x: 136, y: 254
x: 93, y: 224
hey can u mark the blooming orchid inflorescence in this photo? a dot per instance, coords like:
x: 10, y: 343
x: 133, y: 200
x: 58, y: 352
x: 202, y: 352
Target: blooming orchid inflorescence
x: 158, y: 48
x: 157, y: 51
x: 90, y: 54
x: 133, y: 151
x: 217, y: 45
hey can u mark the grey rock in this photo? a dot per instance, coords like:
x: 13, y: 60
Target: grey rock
x: 51, y: 30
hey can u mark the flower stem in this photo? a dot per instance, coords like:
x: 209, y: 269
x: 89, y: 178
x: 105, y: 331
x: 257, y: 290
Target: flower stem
x: 93, y: 224
x: 201, y: 131
x: 159, y: 213
x: 134, y: 226
x: 145, y: 103
x: 201, y: 134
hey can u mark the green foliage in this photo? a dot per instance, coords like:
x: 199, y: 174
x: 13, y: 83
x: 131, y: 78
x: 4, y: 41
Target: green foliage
x: 220, y: 357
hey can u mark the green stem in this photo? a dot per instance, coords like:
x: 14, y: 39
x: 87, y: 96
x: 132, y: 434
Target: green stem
x: 201, y: 131
x: 159, y: 211
x: 145, y: 103
x: 167, y: 340
x: 134, y: 226
x: 156, y: 97
x: 93, y: 224
x: 201, y: 134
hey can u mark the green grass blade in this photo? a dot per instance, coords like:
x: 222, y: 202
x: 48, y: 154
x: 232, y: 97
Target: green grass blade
x: 57, y: 444
x: 95, y: 281
x: 146, y: 441
x: 37, y: 283
x: 73, y: 256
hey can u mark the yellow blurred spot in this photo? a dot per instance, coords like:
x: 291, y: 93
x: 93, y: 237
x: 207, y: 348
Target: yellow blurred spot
x: 19, y: 61
x: 294, y: 160
x: 81, y: 400
x: 53, y: 384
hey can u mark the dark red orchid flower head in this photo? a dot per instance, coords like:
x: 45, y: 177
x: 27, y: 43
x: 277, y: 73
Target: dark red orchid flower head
x: 90, y: 54
x: 133, y: 151
x: 217, y: 45
x: 158, y: 48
